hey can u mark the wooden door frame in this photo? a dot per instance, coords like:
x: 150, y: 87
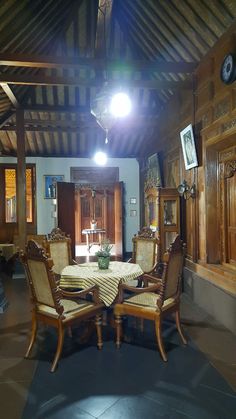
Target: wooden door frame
x: 214, y: 198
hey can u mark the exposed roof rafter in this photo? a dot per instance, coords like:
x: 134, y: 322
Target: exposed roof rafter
x: 10, y: 95
x: 41, y: 80
x: 47, y: 61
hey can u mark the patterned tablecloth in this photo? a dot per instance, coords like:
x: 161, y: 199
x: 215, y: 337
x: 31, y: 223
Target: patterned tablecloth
x: 88, y: 274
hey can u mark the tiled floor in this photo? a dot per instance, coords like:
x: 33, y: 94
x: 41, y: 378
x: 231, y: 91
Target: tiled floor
x: 197, y: 381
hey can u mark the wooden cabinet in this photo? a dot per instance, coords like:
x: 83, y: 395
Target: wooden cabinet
x: 162, y: 214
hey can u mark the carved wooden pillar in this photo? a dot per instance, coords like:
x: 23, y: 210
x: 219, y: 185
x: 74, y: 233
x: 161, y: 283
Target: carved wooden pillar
x: 21, y: 177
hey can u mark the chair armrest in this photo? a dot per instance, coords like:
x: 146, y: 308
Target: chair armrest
x: 153, y: 269
x: 130, y: 260
x: 135, y: 290
x: 151, y: 278
x: 94, y: 290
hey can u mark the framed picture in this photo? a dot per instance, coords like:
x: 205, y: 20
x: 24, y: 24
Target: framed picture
x: 154, y: 169
x: 50, y: 185
x: 133, y: 213
x: 133, y: 200
x: 188, y: 147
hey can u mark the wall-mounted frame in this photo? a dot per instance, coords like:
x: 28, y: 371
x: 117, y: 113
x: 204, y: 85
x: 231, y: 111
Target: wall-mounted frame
x: 133, y: 213
x: 50, y: 182
x: 153, y: 175
x: 188, y: 147
x: 133, y: 201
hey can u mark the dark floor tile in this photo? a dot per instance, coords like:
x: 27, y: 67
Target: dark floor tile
x: 139, y: 408
x: 95, y: 381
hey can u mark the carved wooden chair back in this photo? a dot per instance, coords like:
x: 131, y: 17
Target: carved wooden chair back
x: 173, y: 267
x: 58, y: 247
x: 41, y: 278
x: 38, y: 238
x: 145, y: 250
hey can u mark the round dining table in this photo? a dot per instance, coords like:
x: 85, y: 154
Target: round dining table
x: 87, y: 274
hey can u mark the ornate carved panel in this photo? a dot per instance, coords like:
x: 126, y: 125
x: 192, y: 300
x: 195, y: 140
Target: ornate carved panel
x: 221, y: 108
x: 230, y: 168
x: 228, y: 125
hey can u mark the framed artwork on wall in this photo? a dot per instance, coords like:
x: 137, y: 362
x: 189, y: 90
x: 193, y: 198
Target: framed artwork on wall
x: 50, y: 185
x: 133, y: 213
x: 188, y: 147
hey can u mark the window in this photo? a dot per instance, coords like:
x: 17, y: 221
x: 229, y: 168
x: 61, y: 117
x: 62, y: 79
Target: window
x: 10, y: 195
x: 9, y: 174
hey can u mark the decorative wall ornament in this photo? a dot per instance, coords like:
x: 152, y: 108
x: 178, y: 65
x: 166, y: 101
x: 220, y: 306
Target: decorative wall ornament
x: 153, y: 176
x: 230, y: 168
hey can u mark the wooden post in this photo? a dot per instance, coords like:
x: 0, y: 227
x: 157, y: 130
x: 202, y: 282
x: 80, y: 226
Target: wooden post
x: 21, y: 178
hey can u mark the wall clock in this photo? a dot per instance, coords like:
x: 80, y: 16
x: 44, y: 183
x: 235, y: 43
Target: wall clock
x: 228, y: 69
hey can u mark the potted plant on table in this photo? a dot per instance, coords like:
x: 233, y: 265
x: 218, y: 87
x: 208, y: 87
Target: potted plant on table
x: 103, y: 254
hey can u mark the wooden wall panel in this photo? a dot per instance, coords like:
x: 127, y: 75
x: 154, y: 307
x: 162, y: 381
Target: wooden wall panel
x: 211, y: 108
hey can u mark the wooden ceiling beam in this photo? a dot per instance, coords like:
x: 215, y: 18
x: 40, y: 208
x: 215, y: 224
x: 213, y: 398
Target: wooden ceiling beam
x: 42, y: 80
x: 85, y: 110
x: 10, y: 95
x: 103, y: 28
x: 47, y: 61
x: 6, y: 117
x: 63, y: 126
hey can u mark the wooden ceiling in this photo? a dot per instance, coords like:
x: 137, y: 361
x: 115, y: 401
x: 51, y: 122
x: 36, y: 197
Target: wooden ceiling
x: 52, y: 65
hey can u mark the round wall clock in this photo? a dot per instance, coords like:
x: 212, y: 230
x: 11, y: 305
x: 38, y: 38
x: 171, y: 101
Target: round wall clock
x: 228, y: 69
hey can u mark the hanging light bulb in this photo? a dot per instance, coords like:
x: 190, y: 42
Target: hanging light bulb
x: 120, y: 105
x: 107, y: 107
x: 100, y: 158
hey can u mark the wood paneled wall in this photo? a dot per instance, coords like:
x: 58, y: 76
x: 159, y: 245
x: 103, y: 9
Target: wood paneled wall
x: 211, y: 108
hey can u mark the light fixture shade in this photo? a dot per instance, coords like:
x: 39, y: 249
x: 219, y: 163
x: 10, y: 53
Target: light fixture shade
x: 100, y: 108
x: 187, y: 191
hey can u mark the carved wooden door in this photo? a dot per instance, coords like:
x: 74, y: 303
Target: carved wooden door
x: 94, y: 204
x: 66, y: 210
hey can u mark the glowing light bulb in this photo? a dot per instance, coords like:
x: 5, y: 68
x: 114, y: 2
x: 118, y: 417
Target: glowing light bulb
x: 100, y: 158
x: 120, y: 105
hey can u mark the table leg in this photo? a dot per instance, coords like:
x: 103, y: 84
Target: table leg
x: 87, y: 241
x: 100, y: 238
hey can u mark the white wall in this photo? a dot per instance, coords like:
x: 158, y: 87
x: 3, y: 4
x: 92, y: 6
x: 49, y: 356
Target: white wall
x: 128, y: 174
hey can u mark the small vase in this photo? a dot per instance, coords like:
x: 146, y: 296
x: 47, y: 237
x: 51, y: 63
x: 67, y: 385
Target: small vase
x: 103, y: 262
x: 93, y: 225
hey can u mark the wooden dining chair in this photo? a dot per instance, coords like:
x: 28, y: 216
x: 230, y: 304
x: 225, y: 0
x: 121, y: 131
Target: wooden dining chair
x: 54, y: 306
x: 38, y: 238
x: 145, y: 251
x: 155, y: 301
x: 58, y: 248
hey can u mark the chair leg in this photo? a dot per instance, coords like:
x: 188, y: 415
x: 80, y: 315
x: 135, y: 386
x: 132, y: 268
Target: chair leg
x: 159, y: 338
x: 61, y: 333
x: 69, y: 331
x: 34, y: 328
x: 178, y: 325
x: 98, y: 323
x: 118, y: 322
